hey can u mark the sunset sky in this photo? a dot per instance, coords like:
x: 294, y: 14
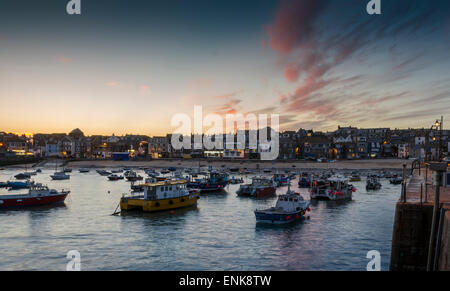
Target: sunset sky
x: 128, y: 66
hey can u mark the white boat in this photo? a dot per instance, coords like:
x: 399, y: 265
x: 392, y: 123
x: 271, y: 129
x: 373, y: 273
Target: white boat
x: 290, y: 207
x: 333, y: 188
x: 37, y: 195
x: 60, y: 176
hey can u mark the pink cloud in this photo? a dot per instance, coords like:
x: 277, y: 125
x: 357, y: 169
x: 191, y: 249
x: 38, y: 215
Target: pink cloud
x: 293, y: 24
x: 113, y: 84
x: 291, y: 73
x: 64, y: 60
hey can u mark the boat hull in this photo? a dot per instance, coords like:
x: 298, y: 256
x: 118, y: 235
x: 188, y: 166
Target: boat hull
x: 278, y: 218
x: 259, y: 193
x: 25, y: 201
x: 127, y: 204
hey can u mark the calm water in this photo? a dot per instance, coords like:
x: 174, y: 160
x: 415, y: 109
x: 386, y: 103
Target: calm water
x: 220, y: 234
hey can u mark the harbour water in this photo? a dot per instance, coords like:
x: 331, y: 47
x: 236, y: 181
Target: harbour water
x: 219, y: 234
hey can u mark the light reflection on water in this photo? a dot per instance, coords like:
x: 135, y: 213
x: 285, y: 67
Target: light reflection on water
x: 219, y: 234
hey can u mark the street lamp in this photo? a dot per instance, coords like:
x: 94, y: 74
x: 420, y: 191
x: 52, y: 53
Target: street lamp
x: 438, y: 125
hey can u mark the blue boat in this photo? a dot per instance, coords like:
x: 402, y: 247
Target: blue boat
x: 15, y: 185
x: 280, y: 179
x: 290, y: 207
x: 214, y: 182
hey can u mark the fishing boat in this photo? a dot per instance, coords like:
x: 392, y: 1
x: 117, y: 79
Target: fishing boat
x: 22, y: 176
x: 160, y: 196
x: 83, y: 170
x: 372, y: 183
x: 216, y: 181
x: 234, y: 180
x: 114, y: 177
x: 37, y: 195
x: 304, y: 181
x: 290, y: 207
x: 355, y: 177
x: 104, y: 172
x: 131, y: 176
x: 280, y: 179
x: 15, y: 185
x: 333, y: 188
x: 396, y: 180
x: 60, y: 176
x: 259, y: 188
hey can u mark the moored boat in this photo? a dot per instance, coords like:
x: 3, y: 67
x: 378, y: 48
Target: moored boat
x: 216, y: 181
x: 333, y: 188
x: 290, y: 207
x: 372, y: 183
x: 114, y: 177
x: 160, y: 196
x: 132, y: 176
x: 83, y: 170
x: 104, y: 172
x: 60, y: 176
x: 259, y: 188
x: 396, y: 180
x: 37, y: 195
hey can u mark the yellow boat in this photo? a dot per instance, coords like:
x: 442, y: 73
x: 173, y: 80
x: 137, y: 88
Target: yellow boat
x: 161, y: 196
x: 355, y: 178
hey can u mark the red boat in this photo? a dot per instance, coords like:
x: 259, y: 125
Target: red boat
x: 37, y: 195
x: 259, y: 188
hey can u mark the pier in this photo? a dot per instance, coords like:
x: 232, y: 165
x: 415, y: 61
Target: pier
x: 421, y: 234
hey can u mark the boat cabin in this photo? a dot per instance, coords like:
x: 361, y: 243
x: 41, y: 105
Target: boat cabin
x: 165, y: 190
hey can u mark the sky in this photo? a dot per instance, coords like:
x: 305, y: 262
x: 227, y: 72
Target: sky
x: 128, y: 66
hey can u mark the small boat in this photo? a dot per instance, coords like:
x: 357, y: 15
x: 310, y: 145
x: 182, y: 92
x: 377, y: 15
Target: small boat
x: 372, y: 183
x: 38, y: 171
x: 396, y: 180
x: 15, y: 185
x: 37, y: 195
x: 104, y: 172
x: 290, y: 207
x: 333, y: 188
x: 216, y: 181
x: 132, y: 176
x: 234, y: 169
x: 280, y: 179
x: 67, y: 170
x: 114, y: 177
x: 304, y: 182
x: 60, y: 176
x: 160, y: 196
x: 235, y: 180
x: 83, y: 170
x: 116, y: 171
x: 260, y: 187
x: 22, y: 176
x: 165, y: 171
x: 172, y: 169
x: 355, y: 177
x: 3, y: 184
x: 267, y: 170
